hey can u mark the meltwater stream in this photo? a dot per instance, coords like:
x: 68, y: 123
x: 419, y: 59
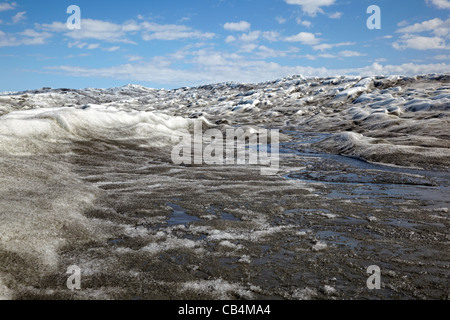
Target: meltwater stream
x: 369, y: 178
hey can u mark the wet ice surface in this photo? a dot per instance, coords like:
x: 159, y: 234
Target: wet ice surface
x: 87, y: 180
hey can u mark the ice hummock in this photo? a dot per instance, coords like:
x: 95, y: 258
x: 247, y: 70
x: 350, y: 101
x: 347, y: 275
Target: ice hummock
x: 43, y: 130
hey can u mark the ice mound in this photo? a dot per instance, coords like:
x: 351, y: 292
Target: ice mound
x: 362, y: 86
x: 49, y: 129
x: 378, y: 150
x: 305, y: 294
x: 220, y: 289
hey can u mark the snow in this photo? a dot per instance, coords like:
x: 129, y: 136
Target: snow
x: 30, y: 131
x: 245, y: 259
x: 305, y: 294
x: 329, y: 290
x: 169, y: 244
x: 220, y: 289
x: 319, y: 246
x: 230, y: 245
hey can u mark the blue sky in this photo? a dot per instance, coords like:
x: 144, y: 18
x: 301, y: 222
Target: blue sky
x: 170, y: 44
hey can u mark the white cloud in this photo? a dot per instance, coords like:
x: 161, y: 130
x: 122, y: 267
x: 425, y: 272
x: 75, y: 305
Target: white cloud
x: 237, y: 26
x: 213, y: 67
x: 177, y: 35
x: 20, y: 16
x: 265, y: 52
x: 230, y: 39
x: 327, y: 46
x: 436, y: 26
x: 304, y: 23
x: 112, y: 49
x: 420, y: 43
x: 93, y: 46
x: 133, y: 58
x: 339, y: 55
x: 271, y: 35
x: 323, y: 46
x: 440, y: 4
x: 408, y: 69
x: 281, y: 20
x: 91, y: 29
x: 247, y: 42
x: 304, y: 38
x: 437, y: 30
x: 53, y: 27
x: 207, y: 58
x: 442, y: 57
x: 185, y: 19
x: 250, y: 37
x: 90, y: 46
x: 349, y: 53
x: 309, y: 57
x: 7, y: 40
x: 327, y: 56
x: 78, y: 44
x: 131, y: 26
x: 311, y: 7
x: 27, y: 38
x: 81, y: 55
x: 336, y: 15
x: 248, y: 47
x: 111, y: 32
x: 4, y: 6
x: 72, y: 44
x: 380, y: 60
x: 153, y: 31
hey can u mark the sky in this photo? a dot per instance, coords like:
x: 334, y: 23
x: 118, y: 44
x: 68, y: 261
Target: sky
x: 178, y: 43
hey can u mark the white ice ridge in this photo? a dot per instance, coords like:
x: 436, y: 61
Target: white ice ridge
x: 34, y: 131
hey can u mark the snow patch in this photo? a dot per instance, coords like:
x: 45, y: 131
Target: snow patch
x: 220, y: 289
